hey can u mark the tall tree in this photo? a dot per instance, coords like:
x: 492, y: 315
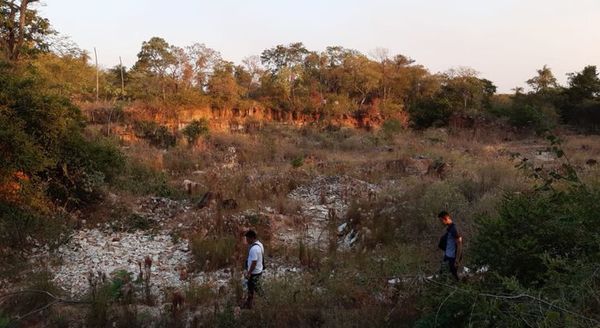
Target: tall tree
x: 203, y: 61
x: 22, y: 30
x: 584, y: 85
x: 222, y: 85
x: 544, y: 81
x: 155, y: 61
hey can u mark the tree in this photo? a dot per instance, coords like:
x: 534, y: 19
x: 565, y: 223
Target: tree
x: 22, y: 30
x: 155, y: 61
x: 281, y: 56
x: 222, y: 85
x: 203, y: 61
x: 463, y: 88
x: 584, y: 85
x: 544, y: 81
x: 582, y: 104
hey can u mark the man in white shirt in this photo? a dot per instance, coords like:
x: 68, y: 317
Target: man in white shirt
x: 254, y: 265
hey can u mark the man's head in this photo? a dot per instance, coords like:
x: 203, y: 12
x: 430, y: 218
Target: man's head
x: 445, y: 218
x: 250, y: 236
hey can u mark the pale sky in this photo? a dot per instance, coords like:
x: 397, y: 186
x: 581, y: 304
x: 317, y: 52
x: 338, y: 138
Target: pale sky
x: 505, y: 40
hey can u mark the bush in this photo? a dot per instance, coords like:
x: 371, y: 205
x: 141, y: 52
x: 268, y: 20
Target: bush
x: 534, y: 229
x: 391, y: 127
x: 157, y: 135
x: 541, y: 118
x: 212, y: 254
x: 585, y: 115
x: 154, y: 182
x: 195, y: 129
x: 430, y: 112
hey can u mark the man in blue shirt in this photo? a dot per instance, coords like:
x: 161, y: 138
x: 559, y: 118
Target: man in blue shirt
x: 451, y: 243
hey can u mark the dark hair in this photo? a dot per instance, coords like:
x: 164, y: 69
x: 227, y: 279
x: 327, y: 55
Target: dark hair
x: 443, y: 214
x: 250, y: 234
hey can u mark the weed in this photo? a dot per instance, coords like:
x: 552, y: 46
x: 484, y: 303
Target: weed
x: 212, y: 254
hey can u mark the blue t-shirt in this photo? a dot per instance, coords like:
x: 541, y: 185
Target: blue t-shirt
x: 451, y: 236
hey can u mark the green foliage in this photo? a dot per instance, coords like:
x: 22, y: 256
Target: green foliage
x: 158, y: 135
x: 391, y: 127
x: 533, y: 229
x: 529, y: 116
x: 155, y: 182
x: 195, y: 129
x: 47, y: 159
x: 430, y: 112
x: 298, y: 161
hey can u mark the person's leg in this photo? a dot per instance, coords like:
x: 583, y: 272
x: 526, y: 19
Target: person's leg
x: 258, y: 285
x: 452, y: 266
x: 251, y: 290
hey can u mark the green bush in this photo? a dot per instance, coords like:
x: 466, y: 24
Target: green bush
x: 391, y: 127
x: 157, y: 135
x: 154, y: 182
x: 430, y: 112
x: 534, y: 229
x: 43, y: 144
x: 298, y: 161
x: 195, y: 129
x: 540, y: 118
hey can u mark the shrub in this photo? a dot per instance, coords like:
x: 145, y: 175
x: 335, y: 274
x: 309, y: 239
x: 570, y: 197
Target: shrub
x: 212, y: 254
x: 541, y: 118
x: 298, y: 161
x: 195, y: 129
x: 430, y: 112
x: 391, y: 127
x: 585, y: 115
x: 157, y: 135
x: 154, y: 182
x: 536, y: 228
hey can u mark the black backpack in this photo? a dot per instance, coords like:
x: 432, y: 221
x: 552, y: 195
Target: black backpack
x: 443, y: 241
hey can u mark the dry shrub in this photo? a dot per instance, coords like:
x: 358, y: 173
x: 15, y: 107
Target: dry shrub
x: 213, y: 254
x: 199, y: 295
x: 182, y: 160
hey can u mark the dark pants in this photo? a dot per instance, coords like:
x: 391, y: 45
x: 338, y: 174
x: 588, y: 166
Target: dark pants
x: 452, y: 265
x: 253, y: 287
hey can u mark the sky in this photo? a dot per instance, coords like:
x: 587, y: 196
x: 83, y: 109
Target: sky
x: 505, y: 40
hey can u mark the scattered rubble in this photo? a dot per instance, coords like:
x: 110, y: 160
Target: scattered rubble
x: 97, y: 251
x: 327, y: 198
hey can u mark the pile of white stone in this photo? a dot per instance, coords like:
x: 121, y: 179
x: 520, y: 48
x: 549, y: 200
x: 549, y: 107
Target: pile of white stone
x: 103, y: 252
x: 328, y: 195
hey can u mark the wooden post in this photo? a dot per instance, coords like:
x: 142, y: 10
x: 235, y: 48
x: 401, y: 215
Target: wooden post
x: 97, y: 75
x: 122, y: 79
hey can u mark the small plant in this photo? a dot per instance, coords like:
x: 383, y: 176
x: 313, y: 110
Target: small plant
x: 146, y: 279
x: 138, y: 222
x: 391, y: 127
x: 298, y: 161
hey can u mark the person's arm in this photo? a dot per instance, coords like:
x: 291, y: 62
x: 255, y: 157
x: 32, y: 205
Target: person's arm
x: 459, y: 242
x: 251, y: 268
x: 253, y: 257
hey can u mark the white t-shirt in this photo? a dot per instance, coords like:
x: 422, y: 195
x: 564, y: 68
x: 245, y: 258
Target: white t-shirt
x: 256, y: 254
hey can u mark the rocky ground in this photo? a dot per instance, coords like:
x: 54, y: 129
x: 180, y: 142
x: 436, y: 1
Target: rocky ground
x: 107, y: 249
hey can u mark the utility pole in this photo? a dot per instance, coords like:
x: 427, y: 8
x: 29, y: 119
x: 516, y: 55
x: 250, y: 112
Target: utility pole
x: 97, y: 76
x: 122, y: 79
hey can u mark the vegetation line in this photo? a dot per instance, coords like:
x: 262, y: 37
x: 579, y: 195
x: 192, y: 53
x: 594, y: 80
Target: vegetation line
x: 511, y: 297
